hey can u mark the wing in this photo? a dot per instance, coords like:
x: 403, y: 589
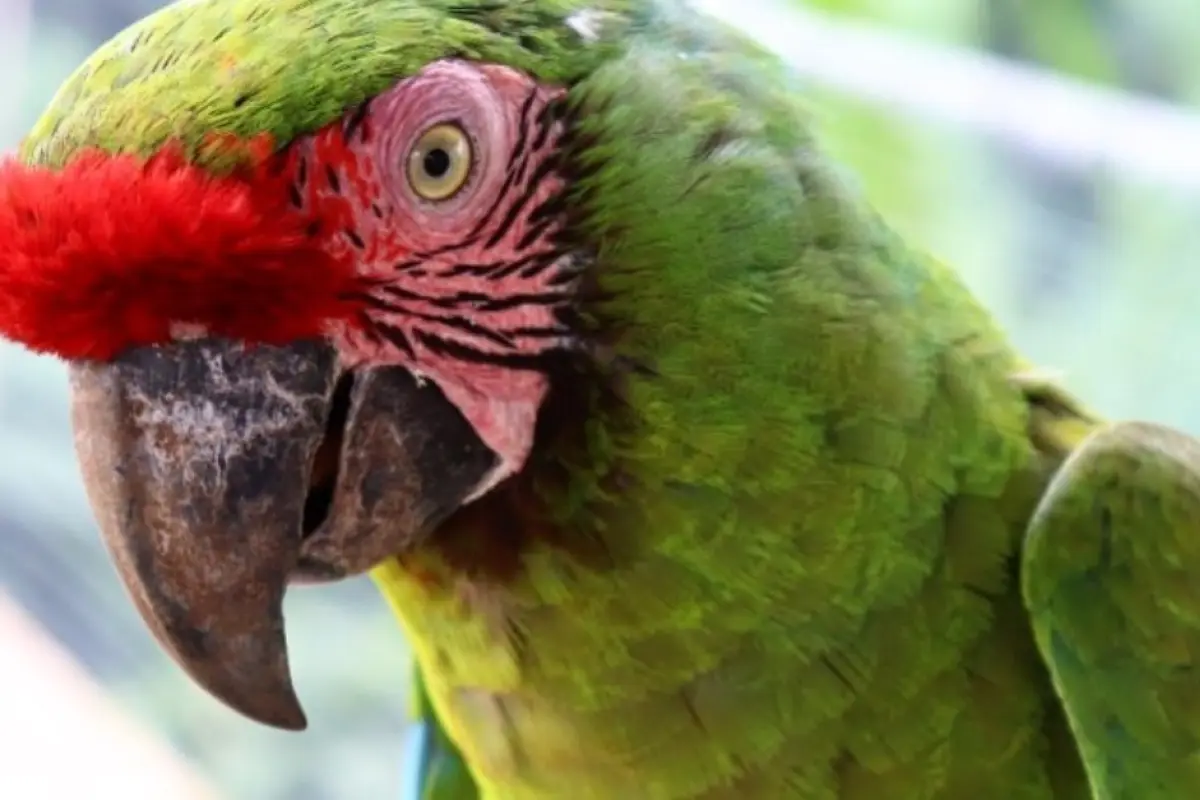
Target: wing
x: 433, y: 767
x: 1111, y: 577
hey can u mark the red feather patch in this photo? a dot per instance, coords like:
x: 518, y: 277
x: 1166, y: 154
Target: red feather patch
x: 112, y: 252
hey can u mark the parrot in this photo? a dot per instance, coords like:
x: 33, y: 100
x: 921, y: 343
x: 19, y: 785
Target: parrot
x: 686, y: 476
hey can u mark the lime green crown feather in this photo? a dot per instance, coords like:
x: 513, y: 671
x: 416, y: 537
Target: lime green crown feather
x: 288, y: 67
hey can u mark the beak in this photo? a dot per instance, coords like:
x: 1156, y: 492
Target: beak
x: 220, y: 473
x: 196, y: 458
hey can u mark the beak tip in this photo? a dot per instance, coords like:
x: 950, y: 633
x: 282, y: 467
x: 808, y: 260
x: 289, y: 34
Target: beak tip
x: 253, y: 679
x: 297, y: 725
x: 281, y: 709
x: 273, y: 703
x: 287, y: 718
x: 275, y: 711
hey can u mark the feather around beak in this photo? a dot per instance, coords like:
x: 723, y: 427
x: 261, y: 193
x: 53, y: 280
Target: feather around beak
x: 115, y: 251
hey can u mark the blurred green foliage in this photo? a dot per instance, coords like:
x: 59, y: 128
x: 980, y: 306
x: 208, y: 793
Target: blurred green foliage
x: 1093, y: 272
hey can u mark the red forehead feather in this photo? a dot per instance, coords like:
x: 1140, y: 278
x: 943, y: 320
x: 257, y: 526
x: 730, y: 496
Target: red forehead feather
x: 111, y: 252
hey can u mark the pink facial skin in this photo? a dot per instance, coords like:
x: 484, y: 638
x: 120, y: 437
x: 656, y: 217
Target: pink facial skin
x: 465, y: 292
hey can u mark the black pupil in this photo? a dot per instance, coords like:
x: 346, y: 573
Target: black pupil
x: 437, y: 163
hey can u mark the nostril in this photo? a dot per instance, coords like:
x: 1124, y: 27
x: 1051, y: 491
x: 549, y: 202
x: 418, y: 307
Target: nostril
x: 324, y: 474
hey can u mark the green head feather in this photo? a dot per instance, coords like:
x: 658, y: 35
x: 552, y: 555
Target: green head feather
x: 288, y: 67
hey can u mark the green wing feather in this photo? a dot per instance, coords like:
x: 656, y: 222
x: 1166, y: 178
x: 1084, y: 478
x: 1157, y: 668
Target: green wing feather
x: 434, y: 769
x: 1110, y: 579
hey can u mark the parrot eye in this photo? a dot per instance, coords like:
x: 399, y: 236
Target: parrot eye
x: 440, y: 162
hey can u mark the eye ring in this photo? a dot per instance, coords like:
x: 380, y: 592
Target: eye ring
x: 440, y: 162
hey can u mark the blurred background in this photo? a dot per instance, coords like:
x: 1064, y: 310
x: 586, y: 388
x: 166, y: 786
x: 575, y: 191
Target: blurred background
x: 1048, y: 148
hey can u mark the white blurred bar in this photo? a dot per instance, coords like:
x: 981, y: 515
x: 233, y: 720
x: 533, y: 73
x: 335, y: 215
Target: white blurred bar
x: 1077, y: 124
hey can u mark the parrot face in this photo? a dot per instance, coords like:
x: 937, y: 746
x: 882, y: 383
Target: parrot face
x: 447, y: 193
x: 288, y: 371
x: 317, y: 460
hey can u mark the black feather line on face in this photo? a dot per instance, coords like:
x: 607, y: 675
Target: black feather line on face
x: 548, y: 252
x: 356, y: 121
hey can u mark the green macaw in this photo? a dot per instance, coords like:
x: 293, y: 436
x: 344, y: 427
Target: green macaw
x: 685, y: 476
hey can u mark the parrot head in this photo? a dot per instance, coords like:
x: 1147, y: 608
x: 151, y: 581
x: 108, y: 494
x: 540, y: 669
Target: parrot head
x: 315, y: 266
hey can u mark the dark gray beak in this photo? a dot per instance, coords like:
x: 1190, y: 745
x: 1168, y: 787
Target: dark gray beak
x: 219, y: 474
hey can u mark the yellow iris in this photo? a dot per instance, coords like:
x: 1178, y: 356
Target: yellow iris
x: 440, y: 162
